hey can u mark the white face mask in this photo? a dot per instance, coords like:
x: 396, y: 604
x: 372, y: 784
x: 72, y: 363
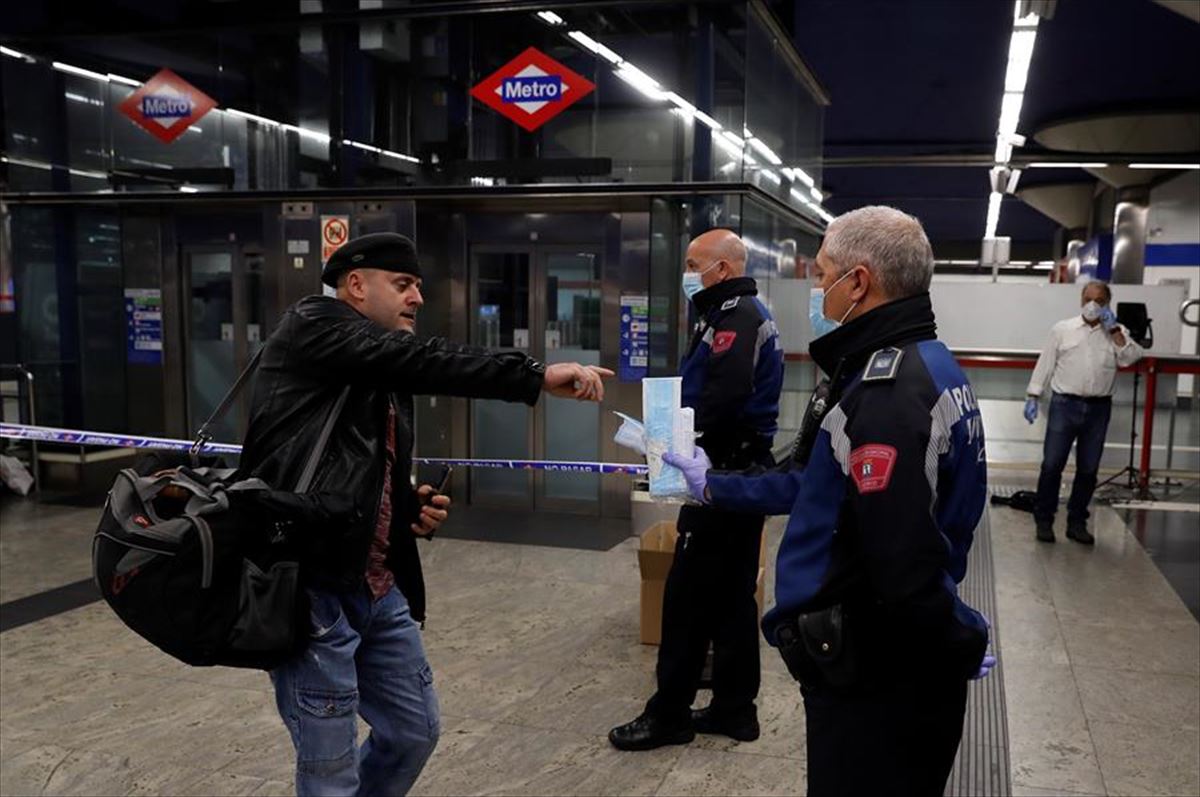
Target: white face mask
x: 1091, y: 311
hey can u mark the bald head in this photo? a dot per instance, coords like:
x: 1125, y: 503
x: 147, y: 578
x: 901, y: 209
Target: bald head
x: 717, y: 245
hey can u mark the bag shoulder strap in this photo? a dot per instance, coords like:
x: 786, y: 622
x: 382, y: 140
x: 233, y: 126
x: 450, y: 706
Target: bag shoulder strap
x: 310, y: 467
x: 204, y: 435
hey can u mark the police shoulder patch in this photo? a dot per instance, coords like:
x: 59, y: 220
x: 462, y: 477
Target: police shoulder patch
x: 731, y: 303
x: 883, y: 365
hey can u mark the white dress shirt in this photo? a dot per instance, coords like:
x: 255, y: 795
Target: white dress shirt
x: 1082, y: 360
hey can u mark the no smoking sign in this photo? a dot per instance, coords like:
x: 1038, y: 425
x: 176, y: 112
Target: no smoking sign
x: 335, y: 231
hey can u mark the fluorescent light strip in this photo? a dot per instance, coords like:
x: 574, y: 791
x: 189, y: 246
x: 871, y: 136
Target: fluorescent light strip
x: 551, y: 18
x: 126, y: 81
x: 584, y: 39
x: 253, y: 117
x: 1164, y: 166
x: 93, y: 175
x: 77, y: 70
x: 80, y: 98
x: 766, y: 151
x: 188, y: 189
x: 772, y: 176
x: 1066, y: 165
x: 817, y: 195
x: 1010, y: 112
x: 1020, y: 53
x: 313, y: 134
x: 993, y: 214
x: 803, y: 177
x: 641, y: 81
x: 609, y: 55
x: 11, y: 53
x: 682, y: 105
x: 378, y: 151
x: 31, y: 164
x: 727, y: 145
x: 709, y: 121
x: 1016, y: 75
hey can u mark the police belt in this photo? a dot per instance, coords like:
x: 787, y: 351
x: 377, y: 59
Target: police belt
x: 821, y: 648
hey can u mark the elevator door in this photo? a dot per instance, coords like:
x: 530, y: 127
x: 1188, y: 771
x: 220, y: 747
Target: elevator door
x: 222, y: 301
x: 546, y: 302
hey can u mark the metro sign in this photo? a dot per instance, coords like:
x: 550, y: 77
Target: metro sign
x: 166, y: 105
x: 532, y: 89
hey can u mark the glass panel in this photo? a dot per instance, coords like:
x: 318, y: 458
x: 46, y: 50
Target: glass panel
x: 572, y: 334
x: 101, y: 320
x: 211, y: 369
x: 501, y: 429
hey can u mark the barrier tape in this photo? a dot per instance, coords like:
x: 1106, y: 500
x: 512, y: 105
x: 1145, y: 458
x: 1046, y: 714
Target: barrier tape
x: 47, y: 434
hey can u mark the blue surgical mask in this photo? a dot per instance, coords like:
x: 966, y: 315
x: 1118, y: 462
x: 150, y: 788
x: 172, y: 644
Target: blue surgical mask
x: 822, y: 325
x: 693, y: 282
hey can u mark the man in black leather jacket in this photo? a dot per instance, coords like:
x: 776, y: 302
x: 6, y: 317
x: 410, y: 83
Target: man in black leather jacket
x: 365, y: 654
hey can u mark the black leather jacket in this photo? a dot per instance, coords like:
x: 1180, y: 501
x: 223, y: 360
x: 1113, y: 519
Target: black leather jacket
x: 321, y: 345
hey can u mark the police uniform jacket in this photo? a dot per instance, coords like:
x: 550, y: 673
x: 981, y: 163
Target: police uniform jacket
x: 321, y: 345
x: 732, y: 374
x: 884, y: 497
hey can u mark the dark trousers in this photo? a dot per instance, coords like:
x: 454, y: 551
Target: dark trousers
x: 896, y: 739
x: 1084, y: 423
x: 709, y: 597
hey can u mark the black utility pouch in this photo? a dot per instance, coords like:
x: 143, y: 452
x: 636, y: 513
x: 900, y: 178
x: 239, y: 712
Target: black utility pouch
x: 818, y: 648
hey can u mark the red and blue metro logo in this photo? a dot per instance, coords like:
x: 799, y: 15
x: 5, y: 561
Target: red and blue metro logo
x: 532, y: 89
x: 167, y: 105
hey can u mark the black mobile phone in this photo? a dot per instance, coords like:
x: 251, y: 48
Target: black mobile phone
x: 444, y: 479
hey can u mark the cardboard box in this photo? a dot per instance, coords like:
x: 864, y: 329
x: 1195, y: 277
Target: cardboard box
x: 655, y: 555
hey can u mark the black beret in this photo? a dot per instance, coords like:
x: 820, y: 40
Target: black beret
x: 386, y: 251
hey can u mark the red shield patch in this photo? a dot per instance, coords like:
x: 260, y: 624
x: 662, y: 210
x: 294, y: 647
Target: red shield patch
x: 722, y: 341
x: 871, y: 467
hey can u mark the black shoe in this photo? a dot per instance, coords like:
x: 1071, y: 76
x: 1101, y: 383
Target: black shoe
x: 1081, y: 535
x: 1045, y: 532
x: 647, y: 733
x: 742, y: 727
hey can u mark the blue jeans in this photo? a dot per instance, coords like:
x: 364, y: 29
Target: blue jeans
x: 1084, y: 423
x: 364, y: 658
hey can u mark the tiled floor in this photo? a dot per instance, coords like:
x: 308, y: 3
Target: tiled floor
x: 536, y: 655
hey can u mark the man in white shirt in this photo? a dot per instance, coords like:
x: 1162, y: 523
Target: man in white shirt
x: 1080, y: 361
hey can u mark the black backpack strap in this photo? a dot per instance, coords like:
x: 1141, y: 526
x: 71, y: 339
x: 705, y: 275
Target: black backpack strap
x: 310, y: 467
x: 204, y: 435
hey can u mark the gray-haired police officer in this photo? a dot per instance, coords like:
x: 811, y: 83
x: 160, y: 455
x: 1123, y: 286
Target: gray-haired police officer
x: 885, y: 490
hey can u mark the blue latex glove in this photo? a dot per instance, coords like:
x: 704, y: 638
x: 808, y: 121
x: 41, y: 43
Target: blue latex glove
x: 1108, y: 319
x: 989, y: 661
x: 695, y: 471
x: 985, y: 667
x: 1031, y: 409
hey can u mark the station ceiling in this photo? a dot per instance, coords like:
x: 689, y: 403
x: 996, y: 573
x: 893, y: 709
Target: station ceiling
x: 926, y: 77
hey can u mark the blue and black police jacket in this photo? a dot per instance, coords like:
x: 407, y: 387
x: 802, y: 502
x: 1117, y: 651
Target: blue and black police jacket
x: 732, y: 374
x: 884, y: 506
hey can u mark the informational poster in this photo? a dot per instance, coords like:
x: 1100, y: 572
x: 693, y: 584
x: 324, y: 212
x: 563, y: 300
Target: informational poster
x: 635, y: 338
x: 143, y: 326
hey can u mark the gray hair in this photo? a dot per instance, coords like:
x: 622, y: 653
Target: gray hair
x: 890, y: 243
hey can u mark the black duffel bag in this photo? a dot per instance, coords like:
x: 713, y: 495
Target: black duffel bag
x: 208, y: 569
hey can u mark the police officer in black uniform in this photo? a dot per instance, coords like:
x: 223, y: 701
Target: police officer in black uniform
x: 732, y: 375
x: 885, y: 490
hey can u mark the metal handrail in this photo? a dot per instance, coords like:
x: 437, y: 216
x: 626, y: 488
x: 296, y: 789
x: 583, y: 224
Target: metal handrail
x: 25, y: 373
